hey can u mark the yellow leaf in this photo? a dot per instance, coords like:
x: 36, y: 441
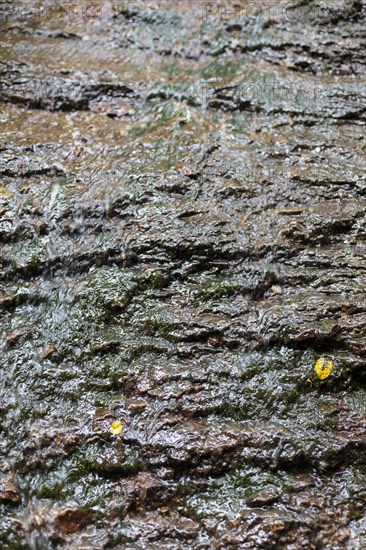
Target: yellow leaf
x: 116, y: 427
x: 323, y: 368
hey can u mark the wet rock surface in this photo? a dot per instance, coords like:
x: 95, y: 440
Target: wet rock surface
x: 182, y: 226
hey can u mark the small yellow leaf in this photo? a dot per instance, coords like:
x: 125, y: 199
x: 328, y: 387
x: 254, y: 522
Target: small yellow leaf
x: 323, y: 368
x: 116, y: 427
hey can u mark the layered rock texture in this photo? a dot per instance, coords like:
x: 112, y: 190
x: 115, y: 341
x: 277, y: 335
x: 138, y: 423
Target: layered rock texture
x: 182, y: 228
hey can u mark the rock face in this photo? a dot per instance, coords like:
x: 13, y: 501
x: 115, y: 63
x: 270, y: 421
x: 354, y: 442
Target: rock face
x: 70, y: 520
x: 182, y: 237
x: 10, y: 491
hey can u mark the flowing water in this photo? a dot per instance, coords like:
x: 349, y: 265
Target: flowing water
x: 182, y: 228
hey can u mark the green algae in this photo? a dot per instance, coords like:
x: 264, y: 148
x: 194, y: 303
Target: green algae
x: 164, y: 278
